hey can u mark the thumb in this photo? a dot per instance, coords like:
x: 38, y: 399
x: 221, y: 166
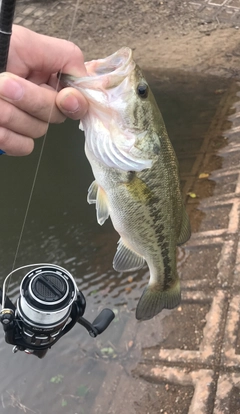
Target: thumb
x: 72, y: 103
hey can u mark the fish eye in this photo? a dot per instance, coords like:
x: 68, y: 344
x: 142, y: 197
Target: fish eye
x: 142, y: 90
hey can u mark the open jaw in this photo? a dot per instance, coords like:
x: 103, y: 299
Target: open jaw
x: 113, y: 64
x: 103, y: 74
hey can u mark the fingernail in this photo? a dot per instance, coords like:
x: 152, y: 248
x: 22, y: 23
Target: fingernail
x: 70, y: 104
x: 2, y: 152
x: 10, y: 89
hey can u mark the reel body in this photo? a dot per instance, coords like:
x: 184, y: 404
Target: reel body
x: 49, y: 305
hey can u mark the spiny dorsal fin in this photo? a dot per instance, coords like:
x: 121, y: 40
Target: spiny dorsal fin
x: 97, y: 195
x: 185, y: 232
x: 125, y: 259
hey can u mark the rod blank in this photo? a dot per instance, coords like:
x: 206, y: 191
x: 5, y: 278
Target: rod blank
x: 7, y: 8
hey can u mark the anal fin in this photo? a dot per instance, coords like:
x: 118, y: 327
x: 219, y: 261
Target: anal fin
x: 126, y: 259
x: 154, y: 300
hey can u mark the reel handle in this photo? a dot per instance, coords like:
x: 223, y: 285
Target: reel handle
x: 99, y: 324
x: 103, y: 320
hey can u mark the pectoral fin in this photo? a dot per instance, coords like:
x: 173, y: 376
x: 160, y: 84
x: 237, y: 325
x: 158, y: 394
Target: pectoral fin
x: 125, y: 259
x: 153, y: 300
x: 96, y: 195
x: 185, y: 232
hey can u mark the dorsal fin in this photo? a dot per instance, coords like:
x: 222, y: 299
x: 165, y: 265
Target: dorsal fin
x: 185, y: 232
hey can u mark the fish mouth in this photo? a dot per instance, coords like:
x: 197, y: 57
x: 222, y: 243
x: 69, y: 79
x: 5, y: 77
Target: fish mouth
x: 103, y: 73
x: 114, y: 63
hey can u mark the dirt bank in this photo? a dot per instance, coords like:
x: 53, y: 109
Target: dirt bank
x: 163, y: 34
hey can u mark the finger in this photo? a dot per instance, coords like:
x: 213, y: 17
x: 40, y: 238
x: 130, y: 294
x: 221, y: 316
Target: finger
x: 61, y: 54
x: 37, y: 101
x: 15, y: 144
x: 72, y: 103
x: 19, y: 121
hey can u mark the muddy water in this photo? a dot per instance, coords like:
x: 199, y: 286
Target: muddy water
x: 61, y: 228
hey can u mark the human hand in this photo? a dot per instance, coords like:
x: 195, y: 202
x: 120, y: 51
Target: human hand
x: 29, y: 99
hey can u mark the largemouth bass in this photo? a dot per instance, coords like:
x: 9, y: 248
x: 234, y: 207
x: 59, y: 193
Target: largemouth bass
x: 136, y: 175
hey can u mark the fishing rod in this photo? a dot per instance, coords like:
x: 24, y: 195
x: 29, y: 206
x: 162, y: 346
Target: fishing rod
x: 49, y: 303
x: 7, y: 9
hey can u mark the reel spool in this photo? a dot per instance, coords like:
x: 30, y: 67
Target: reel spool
x: 49, y: 305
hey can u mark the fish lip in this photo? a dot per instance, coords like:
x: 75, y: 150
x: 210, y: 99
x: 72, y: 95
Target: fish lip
x: 102, y: 72
x: 114, y: 63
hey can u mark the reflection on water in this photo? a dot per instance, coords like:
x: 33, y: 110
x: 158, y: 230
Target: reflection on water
x: 61, y: 228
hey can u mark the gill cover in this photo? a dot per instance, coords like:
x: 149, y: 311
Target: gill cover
x: 110, y: 137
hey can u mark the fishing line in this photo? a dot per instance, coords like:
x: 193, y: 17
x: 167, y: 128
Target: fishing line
x: 39, y: 159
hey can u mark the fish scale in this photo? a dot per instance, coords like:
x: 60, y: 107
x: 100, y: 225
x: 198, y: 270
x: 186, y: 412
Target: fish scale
x: 136, y: 175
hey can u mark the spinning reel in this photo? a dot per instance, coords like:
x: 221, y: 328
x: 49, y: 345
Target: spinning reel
x: 48, y: 307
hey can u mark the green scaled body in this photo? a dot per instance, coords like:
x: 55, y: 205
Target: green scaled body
x: 136, y: 176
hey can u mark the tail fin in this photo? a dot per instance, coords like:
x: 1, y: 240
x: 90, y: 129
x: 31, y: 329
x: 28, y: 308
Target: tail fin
x: 154, y: 300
